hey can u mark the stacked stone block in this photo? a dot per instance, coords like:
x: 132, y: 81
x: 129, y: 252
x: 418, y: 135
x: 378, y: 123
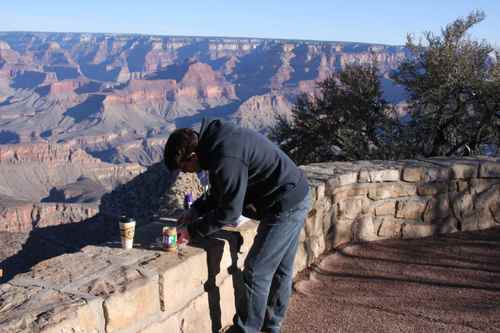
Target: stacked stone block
x: 108, y: 289
x: 375, y: 200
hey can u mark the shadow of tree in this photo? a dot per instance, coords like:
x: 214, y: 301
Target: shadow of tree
x: 405, y: 280
x: 473, y: 256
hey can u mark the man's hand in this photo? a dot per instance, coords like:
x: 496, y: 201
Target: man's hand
x: 183, y: 235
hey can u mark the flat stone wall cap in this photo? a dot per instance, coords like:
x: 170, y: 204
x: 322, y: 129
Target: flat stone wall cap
x: 335, y: 166
x: 317, y: 170
x: 170, y: 260
x: 146, y: 238
x: 462, y: 170
x: 115, y: 281
x: 31, y: 309
x: 345, y: 178
x: 243, y: 227
x: 382, y: 175
x: 247, y: 230
x: 62, y: 271
x: 489, y: 170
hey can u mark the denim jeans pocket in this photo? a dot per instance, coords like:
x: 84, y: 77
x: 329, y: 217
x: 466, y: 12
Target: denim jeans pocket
x: 293, y: 215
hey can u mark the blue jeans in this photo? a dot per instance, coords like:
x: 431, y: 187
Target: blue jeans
x: 268, y: 270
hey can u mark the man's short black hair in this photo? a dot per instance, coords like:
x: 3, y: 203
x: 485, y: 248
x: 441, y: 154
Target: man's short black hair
x: 180, y: 145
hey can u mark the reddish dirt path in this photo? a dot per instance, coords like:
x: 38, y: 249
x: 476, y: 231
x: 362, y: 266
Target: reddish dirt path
x: 445, y: 284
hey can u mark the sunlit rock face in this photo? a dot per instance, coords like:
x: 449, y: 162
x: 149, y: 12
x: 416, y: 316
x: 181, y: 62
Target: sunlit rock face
x: 63, y: 86
x: 49, y: 184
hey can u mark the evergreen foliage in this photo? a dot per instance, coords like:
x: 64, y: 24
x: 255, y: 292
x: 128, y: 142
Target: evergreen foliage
x: 454, y: 92
x: 454, y: 105
x: 349, y: 120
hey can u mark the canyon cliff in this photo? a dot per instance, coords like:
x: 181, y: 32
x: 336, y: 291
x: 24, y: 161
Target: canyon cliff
x: 48, y: 184
x: 82, y: 113
x: 69, y: 87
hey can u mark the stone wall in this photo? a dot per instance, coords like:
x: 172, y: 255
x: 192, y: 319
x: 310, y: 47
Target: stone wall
x: 375, y: 200
x: 102, y: 288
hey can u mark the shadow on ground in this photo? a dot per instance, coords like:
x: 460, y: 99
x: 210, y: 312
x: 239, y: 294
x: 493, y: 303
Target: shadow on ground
x: 448, y: 283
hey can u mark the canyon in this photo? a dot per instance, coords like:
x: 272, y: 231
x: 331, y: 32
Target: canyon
x: 82, y: 113
x: 117, y: 88
x: 46, y: 184
x: 83, y: 122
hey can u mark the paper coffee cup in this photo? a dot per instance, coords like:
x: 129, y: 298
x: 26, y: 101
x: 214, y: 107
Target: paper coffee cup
x: 127, y: 230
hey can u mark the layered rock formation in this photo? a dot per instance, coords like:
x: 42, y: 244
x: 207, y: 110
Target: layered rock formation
x: 69, y: 86
x: 24, y: 217
x: 155, y: 193
x: 31, y: 173
x: 261, y: 112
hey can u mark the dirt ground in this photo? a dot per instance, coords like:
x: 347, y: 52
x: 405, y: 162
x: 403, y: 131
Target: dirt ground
x: 448, y: 283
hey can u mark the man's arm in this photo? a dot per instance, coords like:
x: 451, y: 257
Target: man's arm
x: 228, y: 188
x: 204, y: 204
x: 201, y: 206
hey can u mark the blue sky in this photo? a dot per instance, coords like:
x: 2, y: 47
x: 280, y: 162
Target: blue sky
x: 382, y: 21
